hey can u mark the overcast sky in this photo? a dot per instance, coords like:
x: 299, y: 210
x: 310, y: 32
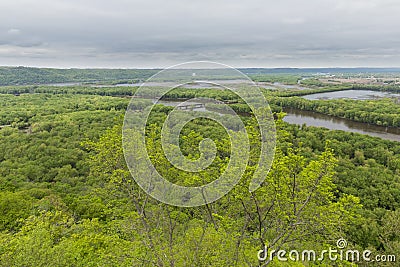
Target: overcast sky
x: 159, y: 33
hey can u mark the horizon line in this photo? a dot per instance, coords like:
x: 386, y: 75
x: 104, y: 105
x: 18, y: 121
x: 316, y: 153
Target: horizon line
x: 159, y: 68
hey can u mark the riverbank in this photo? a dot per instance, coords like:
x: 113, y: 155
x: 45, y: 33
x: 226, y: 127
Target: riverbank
x: 300, y: 117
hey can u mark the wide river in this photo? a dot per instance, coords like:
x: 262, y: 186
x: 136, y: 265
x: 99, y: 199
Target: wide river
x: 351, y: 94
x: 300, y: 117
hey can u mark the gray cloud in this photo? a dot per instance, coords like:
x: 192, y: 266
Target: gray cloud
x: 15, y: 37
x: 157, y: 33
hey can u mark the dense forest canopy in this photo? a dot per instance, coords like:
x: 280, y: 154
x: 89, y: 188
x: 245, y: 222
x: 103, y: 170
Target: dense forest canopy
x: 25, y: 75
x: 29, y: 75
x: 68, y: 199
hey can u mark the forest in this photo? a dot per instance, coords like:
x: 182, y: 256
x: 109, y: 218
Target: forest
x: 28, y: 76
x: 67, y: 197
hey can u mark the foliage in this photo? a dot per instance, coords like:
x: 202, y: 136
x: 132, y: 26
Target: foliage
x: 383, y: 112
x: 24, y: 75
x: 68, y: 199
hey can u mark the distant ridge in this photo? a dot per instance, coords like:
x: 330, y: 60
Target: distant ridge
x: 33, y: 76
x: 318, y: 70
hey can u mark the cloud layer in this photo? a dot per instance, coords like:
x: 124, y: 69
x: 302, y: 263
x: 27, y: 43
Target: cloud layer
x: 158, y: 33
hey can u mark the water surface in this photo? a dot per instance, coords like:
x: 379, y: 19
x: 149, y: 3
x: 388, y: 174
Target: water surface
x: 351, y: 94
x: 300, y: 117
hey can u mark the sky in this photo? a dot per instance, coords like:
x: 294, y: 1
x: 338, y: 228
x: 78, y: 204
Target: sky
x: 161, y: 33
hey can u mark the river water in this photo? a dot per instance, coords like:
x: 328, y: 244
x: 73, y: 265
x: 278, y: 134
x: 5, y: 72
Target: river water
x: 351, y: 94
x: 300, y: 117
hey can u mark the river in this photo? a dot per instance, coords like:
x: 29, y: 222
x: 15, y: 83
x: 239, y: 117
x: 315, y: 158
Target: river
x: 295, y: 116
x: 309, y: 118
x: 351, y: 94
x: 300, y: 117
